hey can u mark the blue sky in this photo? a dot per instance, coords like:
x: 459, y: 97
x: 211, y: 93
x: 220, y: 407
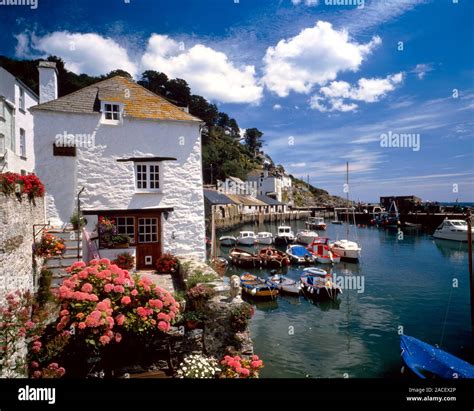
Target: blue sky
x: 323, y: 82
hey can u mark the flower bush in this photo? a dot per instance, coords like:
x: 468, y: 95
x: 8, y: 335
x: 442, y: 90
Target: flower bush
x: 49, y: 246
x: 29, y: 184
x: 199, y: 295
x: 238, y: 367
x: 125, y: 261
x: 53, y: 370
x: 240, y: 316
x: 198, y: 366
x: 101, y: 301
x: 167, y: 263
x: 109, y: 236
x: 16, y: 325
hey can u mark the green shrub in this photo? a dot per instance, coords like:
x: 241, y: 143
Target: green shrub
x: 199, y: 277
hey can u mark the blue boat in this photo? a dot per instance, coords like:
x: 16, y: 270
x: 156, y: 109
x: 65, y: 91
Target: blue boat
x: 428, y: 361
x: 299, y: 254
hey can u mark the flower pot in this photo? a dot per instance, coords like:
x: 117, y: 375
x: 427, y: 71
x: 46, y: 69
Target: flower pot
x: 191, y: 324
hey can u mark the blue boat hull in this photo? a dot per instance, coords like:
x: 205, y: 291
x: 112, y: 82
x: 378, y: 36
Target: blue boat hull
x: 425, y: 360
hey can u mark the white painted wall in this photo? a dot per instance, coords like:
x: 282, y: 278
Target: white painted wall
x: 48, y: 84
x: 10, y: 89
x: 111, y: 185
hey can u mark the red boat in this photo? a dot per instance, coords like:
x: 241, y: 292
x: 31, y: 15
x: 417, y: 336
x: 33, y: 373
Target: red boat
x: 273, y: 258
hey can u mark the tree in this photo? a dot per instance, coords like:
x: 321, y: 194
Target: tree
x: 154, y: 81
x: 118, y: 72
x: 253, y: 140
x: 201, y: 108
x: 178, y: 91
x: 234, y: 127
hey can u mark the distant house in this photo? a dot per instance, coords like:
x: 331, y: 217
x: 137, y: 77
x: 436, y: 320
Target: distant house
x: 16, y: 125
x: 273, y: 206
x: 269, y: 185
x: 136, y: 156
x: 248, y: 204
x: 222, y: 205
x: 234, y: 185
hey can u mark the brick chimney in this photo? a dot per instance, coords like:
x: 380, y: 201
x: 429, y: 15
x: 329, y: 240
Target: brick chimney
x: 48, y: 81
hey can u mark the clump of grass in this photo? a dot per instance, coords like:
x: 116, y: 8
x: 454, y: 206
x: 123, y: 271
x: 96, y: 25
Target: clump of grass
x: 199, y: 277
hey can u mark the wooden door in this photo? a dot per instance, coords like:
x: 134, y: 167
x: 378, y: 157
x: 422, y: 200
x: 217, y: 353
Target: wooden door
x: 148, y: 242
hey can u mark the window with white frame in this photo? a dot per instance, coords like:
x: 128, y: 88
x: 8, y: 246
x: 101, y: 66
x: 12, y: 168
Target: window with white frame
x: 147, y: 176
x: 22, y: 143
x: 21, y: 99
x: 2, y: 144
x: 111, y: 112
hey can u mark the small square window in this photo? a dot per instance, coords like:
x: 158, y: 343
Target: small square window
x: 111, y: 112
x: 147, y: 176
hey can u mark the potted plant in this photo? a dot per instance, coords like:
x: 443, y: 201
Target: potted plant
x: 192, y: 319
x: 199, y: 295
x: 240, y: 316
x: 119, y: 241
x: 167, y: 263
x: 125, y: 261
x: 77, y: 221
x: 49, y: 246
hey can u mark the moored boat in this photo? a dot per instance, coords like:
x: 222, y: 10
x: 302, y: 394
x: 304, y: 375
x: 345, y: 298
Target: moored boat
x: 318, y: 284
x: 316, y: 223
x: 227, y: 241
x: 321, y: 251
x: 243, y: 258
x: 246, y: 238
x: 284, y: 235
x: 273, y: 258
x: 264, y: 238
x: 306, y: 236
x: 346, y: 250
x: 428, y: 361
x: 285, y: 285
x: 257, y: 287
x: 299, y: 254
x: 454, y: 230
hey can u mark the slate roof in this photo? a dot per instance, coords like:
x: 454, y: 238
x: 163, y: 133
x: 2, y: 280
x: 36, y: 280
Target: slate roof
x: 216, y: 198
x: 137, y: 100
x: 269, y: 200
x: 246, y: 200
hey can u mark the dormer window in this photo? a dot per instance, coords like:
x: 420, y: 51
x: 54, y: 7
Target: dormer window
x: 21, y: 99
x: 111, y: 113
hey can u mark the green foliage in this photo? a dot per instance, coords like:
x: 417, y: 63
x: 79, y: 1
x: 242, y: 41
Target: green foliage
x: 44, y: 289
x: 253, y: 139
x: 199, y: 277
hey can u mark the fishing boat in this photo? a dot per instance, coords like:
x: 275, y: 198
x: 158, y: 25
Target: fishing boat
x: 346, y: 250
x: 455, y: 230
x: 299, y: 254
x: 264, y: 238
x: 320, y: 248
x: 273, y: 258
x: 246, y: 238
x: 306, y: 236
x: 285, y: 285
x: 243, y: 258
x: 336, y: 219
x: 227, y: 241
x: 318, y: 284
x: 284, y: 235
x: 390, y: 219
x: 316, y: 223
x: 428, y: 361
x: 257, y: 287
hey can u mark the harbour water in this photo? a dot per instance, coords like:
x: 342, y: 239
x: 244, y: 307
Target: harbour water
x: 415, y: 285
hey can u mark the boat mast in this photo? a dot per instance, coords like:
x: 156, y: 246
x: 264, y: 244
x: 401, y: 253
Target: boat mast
x: 347, y: 196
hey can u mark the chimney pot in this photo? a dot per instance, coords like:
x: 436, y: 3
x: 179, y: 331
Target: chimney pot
x: 48, y: 81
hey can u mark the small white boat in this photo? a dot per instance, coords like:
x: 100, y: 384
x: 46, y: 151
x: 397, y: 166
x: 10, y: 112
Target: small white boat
x: 299, y: 254
x: 246, y: 238
x: 228, y: 241
x: 316, y: 223
x: 264, y: 238
x: 306, y: 236
x: 345, y: 249
x: 455, y: 230
x: 284, y: 235
x: 285, y: 284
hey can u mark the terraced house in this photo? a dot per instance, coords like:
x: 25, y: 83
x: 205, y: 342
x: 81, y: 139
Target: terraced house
x: 136, y: 158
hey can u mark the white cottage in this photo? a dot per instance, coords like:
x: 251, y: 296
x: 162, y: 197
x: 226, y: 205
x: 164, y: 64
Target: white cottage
x: 136, y: 156
x: 16, y: 125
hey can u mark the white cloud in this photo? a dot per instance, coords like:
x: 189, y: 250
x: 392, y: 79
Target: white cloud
x: 305, y: 2
x: 366, y: 90
x: 82, y: 53
x: 313, y: 57
x: 277, y: 107
x: 209, y: 72
x: 421, y: 69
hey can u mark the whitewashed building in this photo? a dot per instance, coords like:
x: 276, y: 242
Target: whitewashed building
x: 16, y: 125
x: 137, y: 158
x: 269, y: 185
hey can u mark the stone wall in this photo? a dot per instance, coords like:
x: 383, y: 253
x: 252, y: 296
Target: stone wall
x: 17, y: 217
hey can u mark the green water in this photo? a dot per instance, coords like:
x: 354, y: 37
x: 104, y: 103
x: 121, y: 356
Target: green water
x: 408, y: 283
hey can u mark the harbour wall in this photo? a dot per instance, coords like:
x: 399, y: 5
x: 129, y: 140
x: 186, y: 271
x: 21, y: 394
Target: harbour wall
x: 237, y: 220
